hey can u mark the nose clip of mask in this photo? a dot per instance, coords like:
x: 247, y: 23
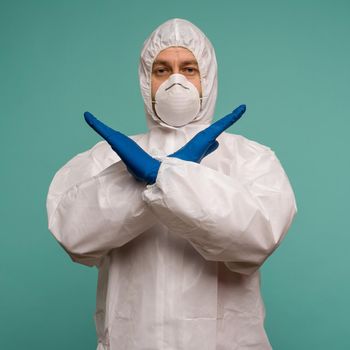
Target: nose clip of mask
x: 177, y: 101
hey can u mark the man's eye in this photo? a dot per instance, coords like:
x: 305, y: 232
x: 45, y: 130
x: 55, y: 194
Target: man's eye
x: 190, y: 70
x: 160, y: 71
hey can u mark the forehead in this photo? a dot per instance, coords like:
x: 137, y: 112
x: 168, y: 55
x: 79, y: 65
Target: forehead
x: 175, y: 53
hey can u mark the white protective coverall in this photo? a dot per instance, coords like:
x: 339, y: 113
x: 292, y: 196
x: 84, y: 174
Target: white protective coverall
x: 178, y: 260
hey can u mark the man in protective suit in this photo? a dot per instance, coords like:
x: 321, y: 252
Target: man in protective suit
x: 177, y: 220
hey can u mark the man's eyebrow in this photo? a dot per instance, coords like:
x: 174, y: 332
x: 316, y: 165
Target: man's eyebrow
x: 165, y: 63
x: 194, y: 62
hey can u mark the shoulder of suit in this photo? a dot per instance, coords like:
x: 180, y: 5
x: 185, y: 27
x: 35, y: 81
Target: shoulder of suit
x: 243, y: 144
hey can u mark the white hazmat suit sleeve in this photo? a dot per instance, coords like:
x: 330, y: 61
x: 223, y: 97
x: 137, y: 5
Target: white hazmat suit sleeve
x: 239, y: 219
x: 95, y: 205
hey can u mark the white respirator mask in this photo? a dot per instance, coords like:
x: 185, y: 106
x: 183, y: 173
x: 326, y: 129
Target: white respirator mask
x: 177, y: 101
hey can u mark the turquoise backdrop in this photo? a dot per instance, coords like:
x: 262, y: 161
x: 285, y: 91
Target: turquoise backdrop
x: 287, y: 60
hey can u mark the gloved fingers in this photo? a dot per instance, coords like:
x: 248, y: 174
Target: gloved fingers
x: 211, y: 148
x: 102, y: 129
x: 222, y: 124
x: 123, y: 145
x: 138, y: 162
x: 194, y: 156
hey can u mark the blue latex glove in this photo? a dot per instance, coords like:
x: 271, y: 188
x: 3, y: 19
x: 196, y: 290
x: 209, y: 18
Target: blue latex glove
x: 205, y: 142
x: 144, y: 167
x: 139, y: 163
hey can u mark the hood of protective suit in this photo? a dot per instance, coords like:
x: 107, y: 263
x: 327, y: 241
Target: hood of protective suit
x: 179, y: 32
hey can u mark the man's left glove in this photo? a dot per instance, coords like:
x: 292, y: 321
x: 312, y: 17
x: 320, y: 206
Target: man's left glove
x: 139, y: 163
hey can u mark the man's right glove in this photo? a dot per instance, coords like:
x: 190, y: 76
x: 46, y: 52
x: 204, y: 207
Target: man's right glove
x: 205, y: 142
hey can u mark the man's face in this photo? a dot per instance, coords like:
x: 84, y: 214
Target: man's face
x: 175, y: 60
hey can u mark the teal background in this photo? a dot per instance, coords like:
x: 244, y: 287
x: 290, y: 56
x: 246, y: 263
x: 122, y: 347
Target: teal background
x: 287, y: 60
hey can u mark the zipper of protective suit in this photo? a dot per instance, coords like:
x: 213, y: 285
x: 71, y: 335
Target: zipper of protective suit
x: 161, y: 291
